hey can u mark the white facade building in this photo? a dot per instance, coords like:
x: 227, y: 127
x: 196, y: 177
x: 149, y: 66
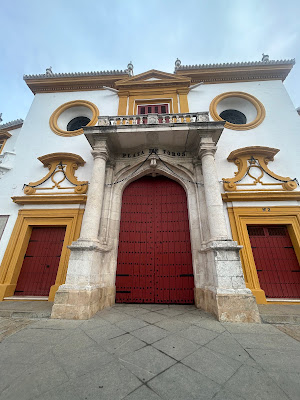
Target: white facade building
x: 180, y: 188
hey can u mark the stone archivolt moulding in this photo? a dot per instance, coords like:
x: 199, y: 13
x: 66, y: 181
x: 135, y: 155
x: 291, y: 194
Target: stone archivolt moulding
x: 64, y: 165
x: 261, y: 112
x: 255, y: 157
x: 76, y: 103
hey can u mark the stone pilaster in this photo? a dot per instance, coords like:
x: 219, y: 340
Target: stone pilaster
x: 82, y: 294
x: 224, y: 293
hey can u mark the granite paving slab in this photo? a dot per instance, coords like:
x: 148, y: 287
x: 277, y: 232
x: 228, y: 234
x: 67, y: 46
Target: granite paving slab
x: 147, y: 352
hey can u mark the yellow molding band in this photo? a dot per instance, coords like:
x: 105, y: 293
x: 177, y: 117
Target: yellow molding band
x: 241, y: 217
x: 261, y: 112
x: 260, y: 196
x: 50, y: 199
x: 18, y: 243
x: 76, y: 103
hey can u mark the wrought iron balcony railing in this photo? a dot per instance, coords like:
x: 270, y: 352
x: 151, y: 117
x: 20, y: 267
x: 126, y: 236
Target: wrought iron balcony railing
x: 154, y: 119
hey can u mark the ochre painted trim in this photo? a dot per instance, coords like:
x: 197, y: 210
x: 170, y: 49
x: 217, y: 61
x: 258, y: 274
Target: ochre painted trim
x: 248, y: 158
x: 167, y: 88
x: 183, y: 100
x: 145, y: 101
x: 261, y: 112
x: 66, y: 163
x: 260, y: 196
x: 50, y: 199
x: 72, y: 84
x: 17, y: 246
x: 237, y: 74
x: 76, y: 103
x: 240, y: 217
x: 3, y: 137
x: 123, y: 100
x: 161, y: 79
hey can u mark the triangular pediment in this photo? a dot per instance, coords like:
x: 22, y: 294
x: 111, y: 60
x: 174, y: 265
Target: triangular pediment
x: 153, y: 77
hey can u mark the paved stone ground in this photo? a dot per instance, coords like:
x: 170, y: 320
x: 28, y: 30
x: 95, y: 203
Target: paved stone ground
x: 147, y: 352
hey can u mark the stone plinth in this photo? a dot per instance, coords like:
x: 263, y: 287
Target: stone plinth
x: 227, y: 296
x: 83, y: 295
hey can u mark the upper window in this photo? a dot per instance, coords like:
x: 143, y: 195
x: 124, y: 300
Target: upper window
x: 234, y: 116
x: 240, y: 110
x: 69, y: 118
x: 77, y: 123
x: 153, y: 109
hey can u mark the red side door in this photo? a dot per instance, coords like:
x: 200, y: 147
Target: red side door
x: 41, y: 261
x: 276, y: 262
x: 154, y: 259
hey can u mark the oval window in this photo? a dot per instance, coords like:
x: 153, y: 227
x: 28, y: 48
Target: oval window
x: 234, y: 117
x: 77, y: 123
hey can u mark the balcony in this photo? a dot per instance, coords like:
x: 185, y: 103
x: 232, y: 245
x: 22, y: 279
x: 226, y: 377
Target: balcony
x: 178, y: 132
x: 154, y: 119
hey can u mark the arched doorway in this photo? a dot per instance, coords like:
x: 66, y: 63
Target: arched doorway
x: 154, y: 256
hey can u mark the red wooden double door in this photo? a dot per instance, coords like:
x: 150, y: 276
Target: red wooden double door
x: 41, y: 261
x: 154, y: 258
x: 276, y: 262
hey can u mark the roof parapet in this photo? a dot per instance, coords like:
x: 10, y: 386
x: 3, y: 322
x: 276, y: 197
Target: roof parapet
x: 236, y: 64
x: 16, y: 123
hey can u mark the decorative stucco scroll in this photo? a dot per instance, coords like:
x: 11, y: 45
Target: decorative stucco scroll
x: 252, y: 162
x: 62, y: 167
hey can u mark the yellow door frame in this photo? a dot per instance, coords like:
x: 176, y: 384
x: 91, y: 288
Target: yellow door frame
x: 18, y: 243
x: 241, y: 217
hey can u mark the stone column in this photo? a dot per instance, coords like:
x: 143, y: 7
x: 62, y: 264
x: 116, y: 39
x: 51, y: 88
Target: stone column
x: 82, y: 295
x: 224, y: 293
x: 214, y: 203
x: 93, y: 208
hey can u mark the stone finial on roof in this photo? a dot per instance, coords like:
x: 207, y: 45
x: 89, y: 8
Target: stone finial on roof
x: 265, y: 57
x: 49, y: 71
x: 1, y: 117
x: 177, y: 64
x: 130, y: 69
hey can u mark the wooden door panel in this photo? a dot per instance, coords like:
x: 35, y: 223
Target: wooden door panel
x: 275, y: 261
x: 159, y: 205
x: 41, y: 261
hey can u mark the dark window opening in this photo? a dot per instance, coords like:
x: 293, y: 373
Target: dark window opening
x: 234, y: 116
x: 157, y: 109
x: 77, y: 123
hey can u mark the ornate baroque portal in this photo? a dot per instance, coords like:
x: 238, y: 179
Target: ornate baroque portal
x: 182, y: 148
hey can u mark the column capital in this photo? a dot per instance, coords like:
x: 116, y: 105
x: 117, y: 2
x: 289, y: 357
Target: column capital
x: 207, y: 149
x: 100, y: 153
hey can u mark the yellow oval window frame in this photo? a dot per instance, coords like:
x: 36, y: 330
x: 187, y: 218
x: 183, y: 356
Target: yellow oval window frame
x: 261, y: 112
x: 75, y: 103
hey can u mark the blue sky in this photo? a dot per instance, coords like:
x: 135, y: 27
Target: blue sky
x: 77, y: 36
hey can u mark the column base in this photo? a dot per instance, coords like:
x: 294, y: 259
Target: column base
x: 81, y: 303
x: 228, y: 307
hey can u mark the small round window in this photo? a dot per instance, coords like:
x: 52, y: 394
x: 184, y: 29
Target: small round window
x: 234, y: 117
x: 77, y: 123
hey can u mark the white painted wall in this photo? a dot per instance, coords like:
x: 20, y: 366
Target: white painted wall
x: 35, y: 139
x: 280, y: 129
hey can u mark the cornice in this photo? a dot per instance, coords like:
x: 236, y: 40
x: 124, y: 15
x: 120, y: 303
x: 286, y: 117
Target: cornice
x: 53, y: 157
x: 9, y: 126
x: 51, y: 199
x: 235, y: 72
x: 268, y: 152
x: 236, y: 64
x: 161, y: 79
x: 70, y: 82
x: 261, y: 196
